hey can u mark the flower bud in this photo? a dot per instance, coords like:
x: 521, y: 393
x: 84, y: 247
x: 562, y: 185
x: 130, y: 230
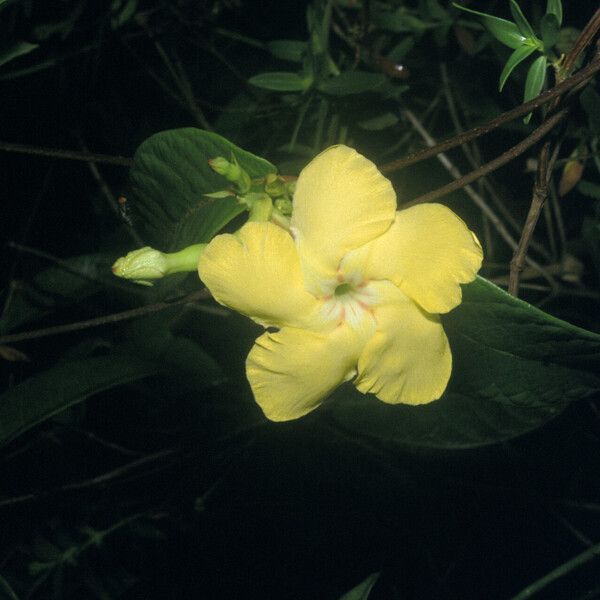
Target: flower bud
x: 275, y: 185
x: 147, y: 263
x: 232, y: 171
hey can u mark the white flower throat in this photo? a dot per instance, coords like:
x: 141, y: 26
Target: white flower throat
x: 348, y: 298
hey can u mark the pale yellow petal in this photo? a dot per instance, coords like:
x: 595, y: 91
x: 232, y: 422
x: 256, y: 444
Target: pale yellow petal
x: 428, y: 252
x: 292, y: 371
x: 341, y: 202
x: 408, y: 359
x: 257, y: 272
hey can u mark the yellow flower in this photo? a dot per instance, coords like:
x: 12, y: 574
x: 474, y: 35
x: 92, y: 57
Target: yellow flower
x: 354, y: 291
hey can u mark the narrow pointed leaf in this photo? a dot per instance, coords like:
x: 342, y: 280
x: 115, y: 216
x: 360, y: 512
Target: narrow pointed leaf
x: 280, y: 81
x: 14, y: 50
x: 534, y: 83
x: 363, y: 590
x: 45, y: 395
x: 517, y: 57
x: 554, y: 7
x: 504, y: 31
x: 521, y: 21
x: 550, y: 30
x: 290, y: 50
x: 514, y: 368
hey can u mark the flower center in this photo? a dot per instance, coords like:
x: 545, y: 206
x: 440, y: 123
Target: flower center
x: 350, y: 300
x: 343, y: 288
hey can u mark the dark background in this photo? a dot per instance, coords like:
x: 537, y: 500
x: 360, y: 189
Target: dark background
x: 296, y: 510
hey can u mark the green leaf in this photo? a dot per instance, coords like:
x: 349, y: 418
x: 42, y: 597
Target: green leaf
x: 550, y: 30
x: 14, y: 50
x: 65, y: 384
x: 554, y: 7
x: 521, y: 21
x: 504, y: 31
x: 380, y: 122
x: 363, y: 590
x: 514, y: 368
x: 536, y: 76
x: 280, y: 81
x: 151, y: 350
x: 517, y: 57
x: 169, y: 178
x: 290, y: 50
x: 353, y: 82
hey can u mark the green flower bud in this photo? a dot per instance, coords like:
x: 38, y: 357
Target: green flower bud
x: 284, y: 206
x: 148, y: 263
x: 275, y: 185
x: 232, y: 171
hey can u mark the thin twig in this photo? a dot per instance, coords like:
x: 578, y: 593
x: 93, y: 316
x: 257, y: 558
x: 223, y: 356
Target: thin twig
x: 105, y: 320
x: 463, y: 181
x: 540, y: 191
x: 94, y: 481
x: 585, y: 37
x: 110, y: 198
x: 474, y: 157
x: 107, y: 159
x: 506, y: 117
x: 492, y: 165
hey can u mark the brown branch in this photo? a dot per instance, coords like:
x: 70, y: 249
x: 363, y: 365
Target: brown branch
x: 94, y: 481
x: 584, y: 39
x: 537, y: 201
x: 488, y: 167
x: 506, y: 117
x: 106, y: 320
x: 121, y: 161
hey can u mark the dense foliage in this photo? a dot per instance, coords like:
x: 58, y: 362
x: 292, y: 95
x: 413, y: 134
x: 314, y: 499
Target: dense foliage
x: 135, y: 463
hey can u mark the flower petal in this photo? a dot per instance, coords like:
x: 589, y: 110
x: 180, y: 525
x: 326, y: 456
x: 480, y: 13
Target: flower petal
x: 428, y: 252
x: 341, y: 202
x: 408, y: 359
x: 292, y: 371
x: 257, y: 272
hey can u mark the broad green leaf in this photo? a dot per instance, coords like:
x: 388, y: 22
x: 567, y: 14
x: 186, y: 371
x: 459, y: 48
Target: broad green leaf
x: 536, y: 76
x: 517, y: 57
x: 521, y: 21
x: 291, y: 50
x: 71, y: 381
x: 169, y: 178
x: 63, y: 385
x: 14, y: 50
x: 363, y: 590
x: 550, y: 30
x: 554, y: 7
x: 514, y: 368
x: 504, y: 31
x: 280, y: 81
x: 353, y: 82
